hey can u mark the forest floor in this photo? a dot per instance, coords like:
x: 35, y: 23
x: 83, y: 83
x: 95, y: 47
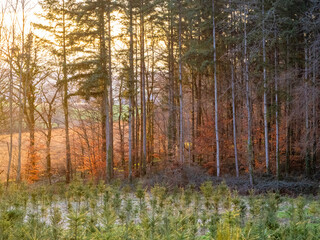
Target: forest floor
x: 194, y: 175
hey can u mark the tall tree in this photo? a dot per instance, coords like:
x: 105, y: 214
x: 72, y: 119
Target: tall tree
x: 306, y: 104
x: 276, y: 96
x: 234, y: 119
x: 10, y: 60
x: 93, y: 72
x: 216, y: 114
x: 131, y: 85
x: 171, y: 83
x: 181, y: 131
x: 248, y: 96
x: 143, y: 90
x: 21, y: 90
x: 232, y: 65
x: 65, y: 93
x: 265, y: 104
x: 110, y: 158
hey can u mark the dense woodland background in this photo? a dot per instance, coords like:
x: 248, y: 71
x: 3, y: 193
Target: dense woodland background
x: 102, y: 89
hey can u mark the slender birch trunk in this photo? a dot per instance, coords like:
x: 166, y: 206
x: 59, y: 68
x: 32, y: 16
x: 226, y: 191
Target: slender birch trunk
x: 307, y: 157
x: 110, y: 91
x: 131, y: 82
x: 234, y: 120
x: 181, y: 141
x: 265, y: 110
x: 250, y: 149
x: 151, y: 113
x: 144, y: 120
x: 288, y: 127
x: 314, y: 110
x: 21, y: 107
x: 121, y: 133
x: 10, y: 104
x: 136, y: 160
x: 276, y: 100
x: 215, y: 91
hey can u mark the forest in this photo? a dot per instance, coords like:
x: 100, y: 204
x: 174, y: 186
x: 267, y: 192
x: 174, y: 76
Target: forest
x: 159, y: 119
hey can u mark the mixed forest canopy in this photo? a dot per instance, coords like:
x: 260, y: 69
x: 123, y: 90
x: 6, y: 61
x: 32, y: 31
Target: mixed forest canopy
x: 103, y: 89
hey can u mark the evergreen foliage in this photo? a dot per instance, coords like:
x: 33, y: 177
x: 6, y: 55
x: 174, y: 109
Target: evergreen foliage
x: 86, y: 211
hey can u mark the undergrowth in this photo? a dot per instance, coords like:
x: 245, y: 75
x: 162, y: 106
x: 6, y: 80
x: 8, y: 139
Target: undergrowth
x: 90, y: 211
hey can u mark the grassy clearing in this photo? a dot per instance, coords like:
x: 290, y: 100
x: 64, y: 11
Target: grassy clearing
x: 89, y: 211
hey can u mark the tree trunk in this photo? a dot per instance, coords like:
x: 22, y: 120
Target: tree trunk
x: 234, y: 120
x: 277, y: 104
x: 314, y: 111
x: 10, y: 104
x: 288, y: 104
x: 265, y: 104
x: 143, y: 91
x: 172, y: 117
x: 136, y: 161
x: 151, y: 100
x: 18, y: 178
x: 307, y: 156
x: 131, y: 82
x: 48, y: 150
x: 193, y: 79
x: 181, y: 139
x: 111, y: 152
x: 215, y: 92
x: 248, y: 105
x: 121, y: 133
x: 199, y: 104
x: 65, y: 100
x: 105, y: 102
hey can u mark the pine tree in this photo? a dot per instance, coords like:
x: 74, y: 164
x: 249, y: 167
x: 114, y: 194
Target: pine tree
x: 95, y: 80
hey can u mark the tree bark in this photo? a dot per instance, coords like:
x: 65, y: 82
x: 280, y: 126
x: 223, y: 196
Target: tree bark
x: 65, y: 98
x: 121, y: 132
x: 265, y: 104
x: 288, y: 106
x: 131, y: 82
x: 234, y: 120
x: 181, y: 137
x: 307, y: 156
x: 171, y: 86
x: 193, y: 82
x: 248, y: 105
x: 215, y: 92
x: 10, y: 104
x: 103, y: 62
x: 143, y: 90
x: 18, y: 177
x: 276, y: 102
x: 111, y: 152
x: 314, y: 110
